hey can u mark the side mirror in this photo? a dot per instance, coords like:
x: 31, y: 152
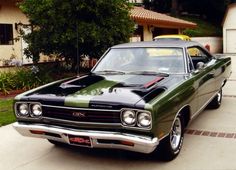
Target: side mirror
x: 200, y: 66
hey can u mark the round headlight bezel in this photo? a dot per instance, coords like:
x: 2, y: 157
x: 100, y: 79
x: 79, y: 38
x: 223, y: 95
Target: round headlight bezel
x: 33, y: 110
x: 140, y: 118
x: 20, y: 108
x: 29, y: 106
x: 136, y: 124
x: 128, y: 114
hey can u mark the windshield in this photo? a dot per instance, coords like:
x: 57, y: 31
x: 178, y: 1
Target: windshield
x: 125, y: 60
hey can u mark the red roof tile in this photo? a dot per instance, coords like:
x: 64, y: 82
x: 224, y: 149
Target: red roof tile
x: 144, y: 16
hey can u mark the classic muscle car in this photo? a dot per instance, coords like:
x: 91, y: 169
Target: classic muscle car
x: 139, y: 97
x: 172, y: 37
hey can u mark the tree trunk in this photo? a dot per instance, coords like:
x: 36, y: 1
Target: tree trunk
x: 175, y: 7
x: 76, y: 64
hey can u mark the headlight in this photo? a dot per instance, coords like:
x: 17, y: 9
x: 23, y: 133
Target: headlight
x: 23, y: 109
x: 144, y: 119
x: 129, y: 117
x: 36, y: 110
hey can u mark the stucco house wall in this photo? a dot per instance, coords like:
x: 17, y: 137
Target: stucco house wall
x: 10, y: 14
x: 229, y: 30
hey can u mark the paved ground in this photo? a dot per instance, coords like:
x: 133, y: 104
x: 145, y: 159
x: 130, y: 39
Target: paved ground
x: 210, y: 144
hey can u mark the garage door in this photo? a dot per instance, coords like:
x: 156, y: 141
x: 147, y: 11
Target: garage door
x: 231, y: 41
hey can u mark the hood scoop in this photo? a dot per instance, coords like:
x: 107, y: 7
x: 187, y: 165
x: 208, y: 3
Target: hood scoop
x: 66, y: 86
x: 152, y: 82
x: 70, y: 84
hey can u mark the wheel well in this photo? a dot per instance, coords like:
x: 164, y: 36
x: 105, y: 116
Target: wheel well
x: 185, y: 112
x: 224, y: 82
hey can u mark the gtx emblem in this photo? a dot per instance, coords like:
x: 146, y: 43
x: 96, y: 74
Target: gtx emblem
x: 78, y: 114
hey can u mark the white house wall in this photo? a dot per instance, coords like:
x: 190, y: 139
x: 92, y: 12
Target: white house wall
x: 229, y: 25
x: 10, y: 14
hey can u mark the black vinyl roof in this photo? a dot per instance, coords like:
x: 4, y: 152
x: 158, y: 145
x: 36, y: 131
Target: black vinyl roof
x: 159, y: 43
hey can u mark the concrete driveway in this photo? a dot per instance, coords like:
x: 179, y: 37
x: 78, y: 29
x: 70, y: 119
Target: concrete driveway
x: 210, y: 144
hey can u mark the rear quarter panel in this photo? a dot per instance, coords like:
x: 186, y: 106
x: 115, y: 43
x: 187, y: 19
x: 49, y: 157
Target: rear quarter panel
x: 223, y: 71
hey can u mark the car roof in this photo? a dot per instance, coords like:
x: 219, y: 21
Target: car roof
x: 159, y: 43
x: 180, y: 36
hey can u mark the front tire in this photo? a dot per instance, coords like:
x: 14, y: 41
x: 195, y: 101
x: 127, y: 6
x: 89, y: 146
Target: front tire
x: 172, y: 144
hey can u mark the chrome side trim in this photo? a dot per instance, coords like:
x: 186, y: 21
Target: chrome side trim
x: 141, y: 143
x: 78, y: 108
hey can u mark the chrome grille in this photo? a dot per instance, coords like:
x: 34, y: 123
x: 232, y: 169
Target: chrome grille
x: 95, y: 116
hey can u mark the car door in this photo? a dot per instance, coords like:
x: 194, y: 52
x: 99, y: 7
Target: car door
x: 203, y: 72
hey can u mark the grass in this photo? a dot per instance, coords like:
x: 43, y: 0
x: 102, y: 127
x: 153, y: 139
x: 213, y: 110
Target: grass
x: 204, y: 28
x: 6, y: 112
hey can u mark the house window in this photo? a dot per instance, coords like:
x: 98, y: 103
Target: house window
x: 6, y: 34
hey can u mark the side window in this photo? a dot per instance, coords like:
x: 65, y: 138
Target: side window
x: 198, y: 55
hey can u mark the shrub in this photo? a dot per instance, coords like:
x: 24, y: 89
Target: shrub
x: 23, y: 78
x: 6, y: 82
x: 30, y: 77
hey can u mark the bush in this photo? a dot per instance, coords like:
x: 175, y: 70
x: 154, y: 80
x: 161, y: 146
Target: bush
x: 6, y: 82
x: 26, y: 78
x: 23, y: 78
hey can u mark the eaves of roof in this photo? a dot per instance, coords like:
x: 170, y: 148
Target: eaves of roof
x: 144, y: 16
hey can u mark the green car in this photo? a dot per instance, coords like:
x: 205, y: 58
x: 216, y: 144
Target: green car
x: 139, y: 97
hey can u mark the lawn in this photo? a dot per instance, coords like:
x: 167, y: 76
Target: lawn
x: 6, y: 112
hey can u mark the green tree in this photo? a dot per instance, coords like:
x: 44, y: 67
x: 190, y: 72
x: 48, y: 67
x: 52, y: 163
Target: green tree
x: 70, y: 28
x: 212, y: 10
x: 162, y: 6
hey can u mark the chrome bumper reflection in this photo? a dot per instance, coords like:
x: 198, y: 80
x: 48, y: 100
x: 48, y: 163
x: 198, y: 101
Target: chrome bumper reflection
x: 143, y: 144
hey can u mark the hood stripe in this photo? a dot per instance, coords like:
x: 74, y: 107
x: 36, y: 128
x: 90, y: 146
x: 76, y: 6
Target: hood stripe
x: 82, y: 98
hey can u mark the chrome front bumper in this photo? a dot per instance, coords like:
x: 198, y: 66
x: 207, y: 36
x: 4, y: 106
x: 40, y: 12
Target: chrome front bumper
x: 99, y: 139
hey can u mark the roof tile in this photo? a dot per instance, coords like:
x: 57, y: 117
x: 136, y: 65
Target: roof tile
x: 142, y: 15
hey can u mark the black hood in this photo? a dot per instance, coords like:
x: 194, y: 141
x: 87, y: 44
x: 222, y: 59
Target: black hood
x: 104, y: 91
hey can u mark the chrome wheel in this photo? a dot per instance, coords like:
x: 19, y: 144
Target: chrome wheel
x: 219, y: 96
x: 172, y: 144
x: 176, y: 134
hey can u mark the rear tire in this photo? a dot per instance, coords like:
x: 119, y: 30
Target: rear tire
x: 170, y: 146
x: 216, y: 101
